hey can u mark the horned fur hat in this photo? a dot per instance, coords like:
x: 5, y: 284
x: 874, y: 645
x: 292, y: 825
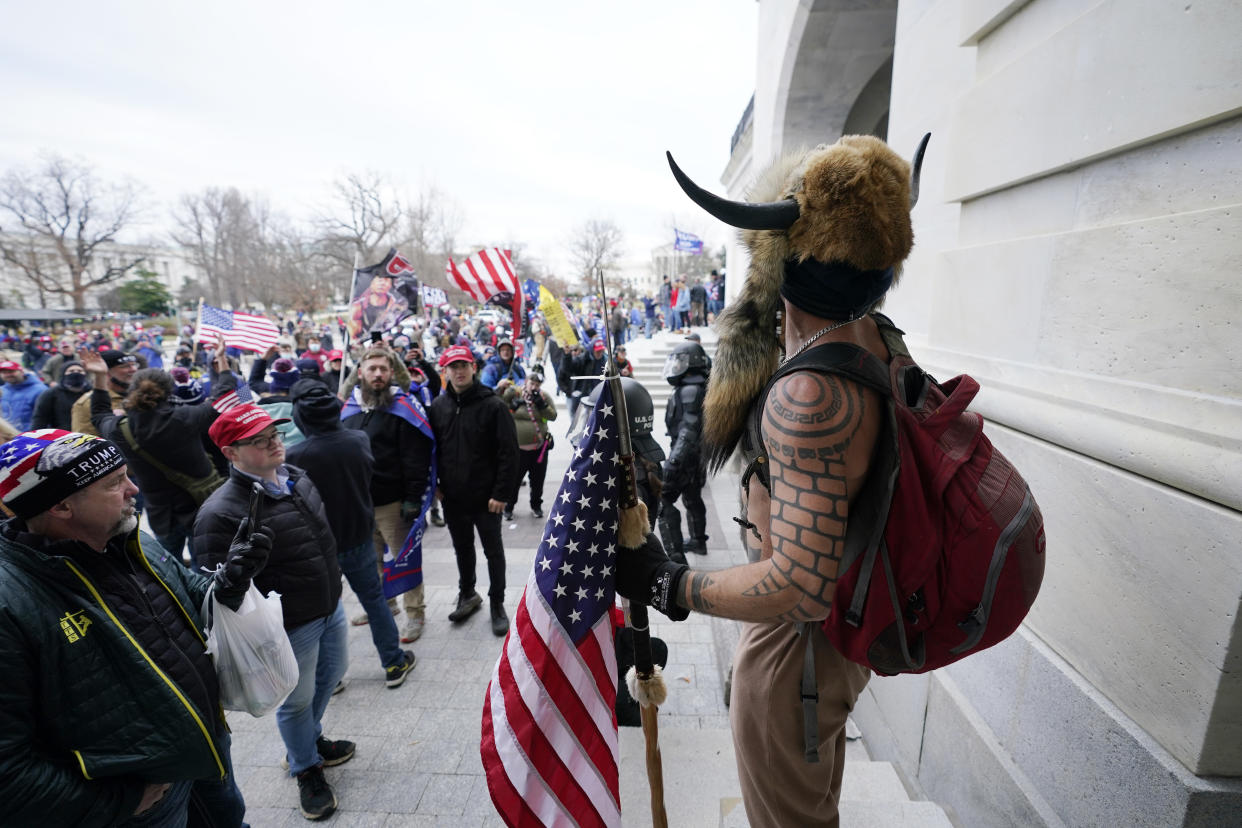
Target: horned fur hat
x: 834, y: 220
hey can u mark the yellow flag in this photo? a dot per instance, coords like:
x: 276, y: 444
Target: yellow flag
x: 550, y: 307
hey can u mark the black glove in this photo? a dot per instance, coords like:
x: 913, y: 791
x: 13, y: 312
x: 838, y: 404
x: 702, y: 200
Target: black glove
x: 410, y: 509
x: 647, y: 576
x: 247, y: 555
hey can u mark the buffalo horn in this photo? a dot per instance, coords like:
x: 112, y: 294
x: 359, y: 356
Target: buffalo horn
x: 778, y: 215
x: 917, y: 170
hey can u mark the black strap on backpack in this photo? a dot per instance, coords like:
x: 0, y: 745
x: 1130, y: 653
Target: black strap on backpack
x: 862, y: 366
x: 198, y: 488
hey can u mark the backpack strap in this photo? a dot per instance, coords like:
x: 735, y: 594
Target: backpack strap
x: 810, y: 695
x: 178, y: 479
x: 862, y: 366
x: 843, y: 358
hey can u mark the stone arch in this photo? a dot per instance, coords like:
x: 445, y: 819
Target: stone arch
x: 838, y: 74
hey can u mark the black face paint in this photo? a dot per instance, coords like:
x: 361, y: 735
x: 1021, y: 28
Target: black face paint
x: 833, y: 290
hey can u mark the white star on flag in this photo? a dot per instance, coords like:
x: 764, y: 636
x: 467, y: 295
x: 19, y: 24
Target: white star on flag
x: 549, y: 706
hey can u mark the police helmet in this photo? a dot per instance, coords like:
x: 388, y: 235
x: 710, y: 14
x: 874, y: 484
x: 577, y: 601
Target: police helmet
x: 685, y: 358
x: 638, y: 406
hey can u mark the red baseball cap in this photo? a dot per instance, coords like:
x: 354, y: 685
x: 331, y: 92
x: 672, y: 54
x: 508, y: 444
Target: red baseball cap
x: 333, y: 356
x: 9, y: 365
x: 455, y: 353
x: 240, y: 422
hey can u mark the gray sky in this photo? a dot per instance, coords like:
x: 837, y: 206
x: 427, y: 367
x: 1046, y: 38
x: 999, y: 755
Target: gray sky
x: 532, y: 115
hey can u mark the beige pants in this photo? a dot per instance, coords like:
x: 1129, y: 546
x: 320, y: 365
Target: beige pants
x: 391, y: 531
x: 779, y: 787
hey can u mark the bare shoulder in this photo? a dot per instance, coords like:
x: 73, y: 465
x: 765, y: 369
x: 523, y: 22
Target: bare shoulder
x: 812, y: 409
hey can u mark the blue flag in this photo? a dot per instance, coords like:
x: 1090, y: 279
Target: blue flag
x: 403, y: 569
x: 687, y: 242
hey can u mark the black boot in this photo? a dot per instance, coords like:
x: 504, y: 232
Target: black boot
x: 697, y: 542
x: 670, y: 533
x: 500, y: 621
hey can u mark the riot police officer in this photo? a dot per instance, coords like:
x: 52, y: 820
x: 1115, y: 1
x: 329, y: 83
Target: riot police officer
x: 686, y: 369
x: 648, y: 456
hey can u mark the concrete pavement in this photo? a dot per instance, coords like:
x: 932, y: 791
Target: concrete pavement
x: 417, y: 762
x: 418, y: 745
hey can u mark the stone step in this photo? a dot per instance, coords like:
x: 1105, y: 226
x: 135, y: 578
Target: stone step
x: 857, y: 813
x: 701, y: 786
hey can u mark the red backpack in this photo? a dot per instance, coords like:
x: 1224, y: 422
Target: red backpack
x: 944, y: 548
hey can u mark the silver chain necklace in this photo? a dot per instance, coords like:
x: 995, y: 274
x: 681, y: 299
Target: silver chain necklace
x: 817, y: 335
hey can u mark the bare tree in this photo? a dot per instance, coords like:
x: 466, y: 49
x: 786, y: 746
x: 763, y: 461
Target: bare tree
x: 300, y: 277
x: 433, y: 221
x: 596, y: 244
x: 366, y: 218
x: 59, y: 216
x: 219, y: 229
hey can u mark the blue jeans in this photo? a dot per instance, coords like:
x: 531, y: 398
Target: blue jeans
x: 650, y: 326
x: 358, y: 567
x: 169, y: 812
x: 178, y: 538
x: 322, y: 650
x: 218, y: 803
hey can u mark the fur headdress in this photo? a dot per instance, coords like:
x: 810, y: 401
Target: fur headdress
x: 845, y: 205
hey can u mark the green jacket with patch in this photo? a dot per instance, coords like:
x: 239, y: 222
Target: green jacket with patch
x: 87, y: 715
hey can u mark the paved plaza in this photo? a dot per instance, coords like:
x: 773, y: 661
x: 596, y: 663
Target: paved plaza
x: 418, y: 745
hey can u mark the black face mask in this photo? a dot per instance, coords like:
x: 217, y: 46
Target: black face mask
x: 75, y: 381
x: 833, y: 290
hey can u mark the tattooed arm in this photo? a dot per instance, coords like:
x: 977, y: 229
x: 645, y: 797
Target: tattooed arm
x: 810, y: 422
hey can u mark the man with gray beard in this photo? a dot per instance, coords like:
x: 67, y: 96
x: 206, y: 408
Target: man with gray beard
x: 109, y: 703
x: 403, y: 458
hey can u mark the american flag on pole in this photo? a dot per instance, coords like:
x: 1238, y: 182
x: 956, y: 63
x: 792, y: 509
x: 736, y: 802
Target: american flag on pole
x: 241, y: 330
x: 489, y: 277
x: 549, y: 744
x: 238, y: 396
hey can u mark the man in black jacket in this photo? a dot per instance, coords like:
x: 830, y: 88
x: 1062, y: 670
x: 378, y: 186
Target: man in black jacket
x: 339, y: 463
x: 163, y: 444
x: 477, y: 460
x: 109, y: 703
x: 402, y: 468
x: 54, y: 408
x: 302, y: 568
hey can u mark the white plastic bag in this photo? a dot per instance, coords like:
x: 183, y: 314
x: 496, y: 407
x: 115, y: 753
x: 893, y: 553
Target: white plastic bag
x: 255, y: 664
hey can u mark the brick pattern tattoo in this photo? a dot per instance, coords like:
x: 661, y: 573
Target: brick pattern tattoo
x: 808, y: 424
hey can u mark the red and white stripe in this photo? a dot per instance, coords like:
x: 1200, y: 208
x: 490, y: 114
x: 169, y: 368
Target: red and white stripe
x: 485, y: 274
x: 549, y: 734
x: 250, y: 331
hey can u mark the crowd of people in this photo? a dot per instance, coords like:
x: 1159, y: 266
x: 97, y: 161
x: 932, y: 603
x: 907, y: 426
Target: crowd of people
x: 294, y: 469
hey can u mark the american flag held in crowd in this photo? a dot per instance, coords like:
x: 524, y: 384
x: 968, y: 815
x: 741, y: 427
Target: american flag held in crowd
x: 549, y: 744
x: 489, y: 276
x: 248, y: 331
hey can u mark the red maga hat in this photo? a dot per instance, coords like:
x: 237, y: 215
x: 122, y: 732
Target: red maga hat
x: 456, y: 353
x: 240, y: 422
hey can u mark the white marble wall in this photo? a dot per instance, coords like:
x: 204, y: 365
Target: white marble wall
x: 1079, y: 250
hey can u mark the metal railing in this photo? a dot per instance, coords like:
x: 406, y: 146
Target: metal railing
x: 747, y: 116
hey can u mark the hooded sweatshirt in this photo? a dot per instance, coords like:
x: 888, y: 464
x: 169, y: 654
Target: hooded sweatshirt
x: 338, y: 461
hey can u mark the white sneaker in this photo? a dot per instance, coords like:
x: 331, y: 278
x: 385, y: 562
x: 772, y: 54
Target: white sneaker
x: 413, y: 630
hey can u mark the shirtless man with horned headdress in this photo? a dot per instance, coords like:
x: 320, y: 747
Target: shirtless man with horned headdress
x: 827, y: 231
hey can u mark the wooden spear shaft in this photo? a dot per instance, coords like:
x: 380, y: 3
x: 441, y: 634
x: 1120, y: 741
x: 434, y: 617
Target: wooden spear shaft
x: 649, y: 688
